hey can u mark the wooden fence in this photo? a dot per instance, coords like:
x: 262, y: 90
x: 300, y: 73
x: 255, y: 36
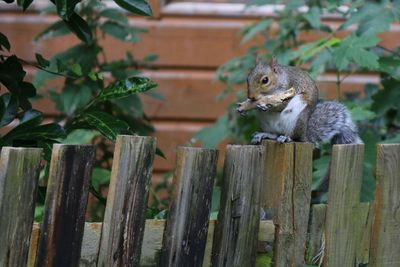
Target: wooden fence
x: 275, y: 177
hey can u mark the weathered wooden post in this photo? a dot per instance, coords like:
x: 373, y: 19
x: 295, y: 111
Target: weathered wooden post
x: 342, y: 223
x: 287, y: 196
x: 61, y: 230
x: 236, y: 232
x: 385, y: 250
x: 124, y: 219
x: 185, y: 234
x: 19, y: 173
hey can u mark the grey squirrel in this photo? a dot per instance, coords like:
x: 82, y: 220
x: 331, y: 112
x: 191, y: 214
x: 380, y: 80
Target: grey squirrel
x: 298, y: 118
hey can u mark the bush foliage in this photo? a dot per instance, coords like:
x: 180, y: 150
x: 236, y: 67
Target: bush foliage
x: 352, y: 46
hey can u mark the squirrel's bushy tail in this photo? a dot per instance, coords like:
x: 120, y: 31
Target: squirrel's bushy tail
x: 331, y: 121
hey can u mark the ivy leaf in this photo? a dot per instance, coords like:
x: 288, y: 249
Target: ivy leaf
x: 251, y: 31
x: 106, y: 124
x: 56, y: 29
x: 124, y: 88
x: 9, y: 108
x: 114, y: 15
x: 139, y: 7
x: 79, y: 26
x: 120, y: 31
x: 44, y: 63
x: 4, y: 43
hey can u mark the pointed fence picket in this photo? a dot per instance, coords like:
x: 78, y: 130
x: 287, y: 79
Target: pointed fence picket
x: 274, y: 177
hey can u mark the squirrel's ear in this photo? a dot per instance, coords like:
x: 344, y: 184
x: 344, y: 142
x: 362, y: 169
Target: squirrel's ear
x: 258, y: 59
x: 273, y: 64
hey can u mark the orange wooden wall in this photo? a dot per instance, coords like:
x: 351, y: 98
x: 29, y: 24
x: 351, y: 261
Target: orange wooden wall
x: 190, y: 44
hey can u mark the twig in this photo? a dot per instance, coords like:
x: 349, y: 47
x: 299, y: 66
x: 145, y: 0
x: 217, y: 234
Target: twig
x: 389, y: 50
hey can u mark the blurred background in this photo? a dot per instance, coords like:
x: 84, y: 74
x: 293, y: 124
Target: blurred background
x: 199, y: 53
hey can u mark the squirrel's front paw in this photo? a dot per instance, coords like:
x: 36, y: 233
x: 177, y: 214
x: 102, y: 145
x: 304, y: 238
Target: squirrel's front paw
x: 240, y: 109
x: 283, y: 139
x: 257, y: 137
x: 264, y: 107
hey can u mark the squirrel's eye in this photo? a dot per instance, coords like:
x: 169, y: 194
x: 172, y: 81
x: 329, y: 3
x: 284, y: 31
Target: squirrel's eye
x: 264, y: 80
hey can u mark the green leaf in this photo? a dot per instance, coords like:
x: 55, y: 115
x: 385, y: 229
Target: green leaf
x: 100, y: 177
x: 139, y: 7
x: 10, y: 105
x: 212, y: 136
x: 124, y: 88
x: 44, y: 63
x: 121, y: 31
x: 251, y: 31
x: 58, y: 28
x: 4, y: 43
x: 30, y: 119
x: 106, y: 124
x: 160, y: 153
x: 313, y: 17
x: 24, y: 3
x: 71, y: 98
x: 65, y: 8
x: 80, y: 27
x: 80, y: 136
x: 359, y: 113
x: 114, y: 15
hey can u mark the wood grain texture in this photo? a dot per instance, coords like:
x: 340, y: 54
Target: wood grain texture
x: 235, y: 238
x: 343, y: 201
x: 124, y: 218
x: 385, y: 250
x: 291, y: 165
x: 186, y: 230
x: 151, y: 245
x: 65, y: 206
x: 316, y: 234
x: 301, y: 199
x: 19, y: 173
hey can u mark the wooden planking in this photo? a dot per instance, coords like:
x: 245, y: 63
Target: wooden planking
x: 315, y: 244
x: 287, y: 195
x: 152, y: 241
x: 301, y: 198
x: 343, y: 203
x: 386, y: 224
x: 124, y: 218
x: 187, y: 92
x: 186, y: 230
x: 66, y: 198
x: 235, y: 238
x: 201, y: 42
x: 19, y: 174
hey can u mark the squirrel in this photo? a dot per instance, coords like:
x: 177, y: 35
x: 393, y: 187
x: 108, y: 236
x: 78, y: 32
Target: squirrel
x: 299, y: 117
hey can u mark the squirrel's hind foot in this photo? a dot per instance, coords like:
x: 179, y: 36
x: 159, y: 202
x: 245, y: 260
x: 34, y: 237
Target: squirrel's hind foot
x: 284, y: 139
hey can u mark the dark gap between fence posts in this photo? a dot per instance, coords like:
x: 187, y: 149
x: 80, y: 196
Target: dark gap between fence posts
x: 66, y: 199
x: 19, y: 173
x: 124, y: 219
x: 185, y: 233
x: 236, y: 232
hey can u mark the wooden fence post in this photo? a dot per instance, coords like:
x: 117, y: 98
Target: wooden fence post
x: 185, y: 234
x: 287, y: 196
x: 19, y: 173
x: 236, y: 232
x: 61, y: 230
x: 385, y: 239
x: 343, y: 210
x: 315, y: 245
x: 124, y: 219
